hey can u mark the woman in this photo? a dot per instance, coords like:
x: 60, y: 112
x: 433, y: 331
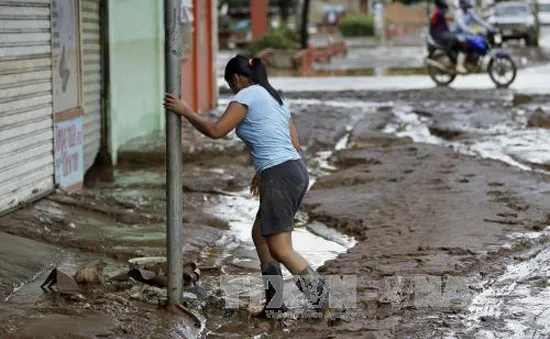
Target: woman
x: 440, y: 32
x: 263, y: 121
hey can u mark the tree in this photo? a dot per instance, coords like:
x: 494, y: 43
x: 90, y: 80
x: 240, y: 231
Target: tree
x: 284, y: 10
x: 304, y: 34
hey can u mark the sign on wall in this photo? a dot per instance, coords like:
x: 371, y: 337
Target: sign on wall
x: 69, y: 152
x: 65, y: 54
x: 69, y: 148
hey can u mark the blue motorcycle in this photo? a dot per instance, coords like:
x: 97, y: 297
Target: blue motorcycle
x: 485, y: 54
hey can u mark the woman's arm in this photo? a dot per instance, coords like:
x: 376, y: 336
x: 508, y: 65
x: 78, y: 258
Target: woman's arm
x: 294, y: 135
x: 232, y: 116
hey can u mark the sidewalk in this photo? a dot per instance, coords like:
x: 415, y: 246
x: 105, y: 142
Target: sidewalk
x: 150, y: 150
x: 530, y: 81
x: 112, y: 223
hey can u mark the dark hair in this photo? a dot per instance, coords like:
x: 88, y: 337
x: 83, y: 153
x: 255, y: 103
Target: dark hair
x: 253, y: 69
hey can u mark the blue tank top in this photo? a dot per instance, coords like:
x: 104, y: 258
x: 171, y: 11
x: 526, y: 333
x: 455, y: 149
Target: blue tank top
x: 265, y: 128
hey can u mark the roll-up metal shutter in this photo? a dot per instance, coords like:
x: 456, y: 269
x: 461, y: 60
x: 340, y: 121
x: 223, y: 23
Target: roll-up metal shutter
x: 91, y: 58
x: 26, y: 105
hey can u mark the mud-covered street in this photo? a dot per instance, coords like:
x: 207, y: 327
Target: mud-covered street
x: 436, y: 200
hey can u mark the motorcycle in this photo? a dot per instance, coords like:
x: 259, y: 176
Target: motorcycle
x: 484, y: 54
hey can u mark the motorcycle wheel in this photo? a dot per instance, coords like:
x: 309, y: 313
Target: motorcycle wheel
x: 440, y: 77
x: 503, y: 71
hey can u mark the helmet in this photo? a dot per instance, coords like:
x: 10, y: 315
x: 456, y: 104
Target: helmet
x: 465, y: 4
x: 440, y: 4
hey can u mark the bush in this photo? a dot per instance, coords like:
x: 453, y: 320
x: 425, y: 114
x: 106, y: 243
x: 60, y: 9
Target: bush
x: 282, y: 39
x: 357, y: 25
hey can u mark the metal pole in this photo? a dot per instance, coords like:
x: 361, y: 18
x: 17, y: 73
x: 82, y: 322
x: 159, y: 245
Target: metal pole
x: 172, y: 52
x: 537, y: 22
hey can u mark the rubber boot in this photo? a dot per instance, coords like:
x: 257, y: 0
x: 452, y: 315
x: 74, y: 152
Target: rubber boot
x: 314, y: 288
x: 461, y: 59
x: 272, y: 275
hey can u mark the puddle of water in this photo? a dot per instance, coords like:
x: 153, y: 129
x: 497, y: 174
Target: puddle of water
x: 366, y: 71
x: 409, y: 124
x: 317, y: 246
x: 69, y: 263
x: 521, y: 148
x: 240, y: 212
x: 510, y: 142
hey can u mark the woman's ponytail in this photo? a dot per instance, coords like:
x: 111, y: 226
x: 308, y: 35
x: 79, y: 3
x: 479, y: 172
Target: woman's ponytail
x: 259, y: 77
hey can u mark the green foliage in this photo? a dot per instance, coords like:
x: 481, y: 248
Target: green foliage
x: 225, y: 24
x: 283, y: 39
x: 357, y: 25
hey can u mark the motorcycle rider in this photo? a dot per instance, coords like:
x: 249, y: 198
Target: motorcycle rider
x: 439, y: 28
x: 464, y: 18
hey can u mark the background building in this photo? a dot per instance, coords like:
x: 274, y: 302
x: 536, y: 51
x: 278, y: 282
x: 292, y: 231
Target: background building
x: 83, y: 77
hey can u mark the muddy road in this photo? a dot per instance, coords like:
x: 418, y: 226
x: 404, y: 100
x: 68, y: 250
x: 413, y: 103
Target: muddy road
x: 436, y: 201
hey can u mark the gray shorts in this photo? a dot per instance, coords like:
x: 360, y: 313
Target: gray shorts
x: 282, y: 189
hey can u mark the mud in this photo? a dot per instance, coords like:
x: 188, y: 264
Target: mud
x: 424, y: 205
x: 20, y: 260
x: 425, y: 214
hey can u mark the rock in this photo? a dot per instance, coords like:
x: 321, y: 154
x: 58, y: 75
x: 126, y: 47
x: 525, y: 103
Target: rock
x: 330, y: 234
x: 539, y: 118
x: 446, y: 130
x: 369, y: 124
x: 148, y: 277
x: 320, y: 127
x: 91, y: 274
x: 378, y: 139
x: 65, y: 284
x: 521, y: 99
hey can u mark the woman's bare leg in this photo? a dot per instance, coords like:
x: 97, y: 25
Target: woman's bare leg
x: 280, y: 247
x: 261, y: 244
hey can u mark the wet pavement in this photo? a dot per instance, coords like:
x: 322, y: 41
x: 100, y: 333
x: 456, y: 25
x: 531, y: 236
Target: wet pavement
x: 400, y: 65
x: 412, y: 192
